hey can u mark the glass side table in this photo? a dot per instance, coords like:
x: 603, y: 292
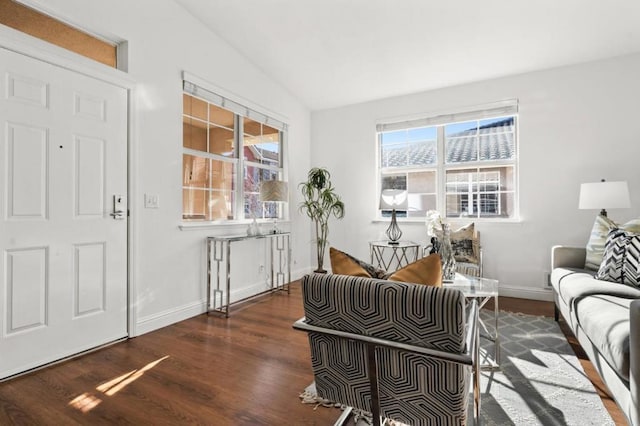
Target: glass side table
x: 483, y: 290
x: 385, y: 255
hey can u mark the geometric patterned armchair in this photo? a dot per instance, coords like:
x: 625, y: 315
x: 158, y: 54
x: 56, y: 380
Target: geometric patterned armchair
x: 405, y: 352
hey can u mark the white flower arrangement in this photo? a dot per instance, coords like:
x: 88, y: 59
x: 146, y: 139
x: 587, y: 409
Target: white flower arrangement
x: 433, y: 221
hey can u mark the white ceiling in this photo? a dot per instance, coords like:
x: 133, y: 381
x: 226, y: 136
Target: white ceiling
x: 330, y: 53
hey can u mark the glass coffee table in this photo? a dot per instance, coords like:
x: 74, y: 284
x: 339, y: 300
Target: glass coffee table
x: 483, y: 290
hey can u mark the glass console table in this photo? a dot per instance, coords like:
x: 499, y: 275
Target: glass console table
x: 219, y: 255
x: 483, y: 290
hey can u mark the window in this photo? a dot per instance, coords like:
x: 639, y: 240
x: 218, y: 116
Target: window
x: 52, y: 30
x: 463, y: 165
x: 228, y: 150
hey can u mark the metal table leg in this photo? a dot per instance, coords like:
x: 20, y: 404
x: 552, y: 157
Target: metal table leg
x: 494, y: 337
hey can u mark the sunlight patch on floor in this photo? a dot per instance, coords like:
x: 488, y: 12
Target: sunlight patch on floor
x: 87, y: 401
x: 115, y: 385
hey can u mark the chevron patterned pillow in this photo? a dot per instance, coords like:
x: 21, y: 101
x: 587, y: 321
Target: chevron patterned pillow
x: 621, y: 260
x: 601, y: 228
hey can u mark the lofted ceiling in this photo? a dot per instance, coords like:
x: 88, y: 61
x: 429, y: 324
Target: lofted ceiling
x: 330, y: 53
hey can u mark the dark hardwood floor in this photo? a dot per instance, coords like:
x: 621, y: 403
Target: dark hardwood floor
x: 245, y: 370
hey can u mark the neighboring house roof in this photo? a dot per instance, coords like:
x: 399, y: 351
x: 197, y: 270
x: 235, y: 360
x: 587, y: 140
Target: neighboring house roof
x: 496, y: 143
x: 265, y: 155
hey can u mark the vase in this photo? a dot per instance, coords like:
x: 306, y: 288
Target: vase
x: 253, y: 229
x: 446, y: 255
x: 255, y: 226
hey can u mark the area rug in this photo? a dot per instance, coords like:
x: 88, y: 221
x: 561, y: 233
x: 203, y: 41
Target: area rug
x: 540, y: 380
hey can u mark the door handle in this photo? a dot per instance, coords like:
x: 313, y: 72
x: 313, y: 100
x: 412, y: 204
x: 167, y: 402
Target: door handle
x: 118, y: 207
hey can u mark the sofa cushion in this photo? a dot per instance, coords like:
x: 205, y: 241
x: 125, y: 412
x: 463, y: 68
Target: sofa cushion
x: 605, y: 320
x: 572, y: 284
x: 563, y: 278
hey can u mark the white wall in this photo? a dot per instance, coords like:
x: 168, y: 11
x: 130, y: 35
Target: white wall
x: 576, y: 124
x: 169, y: 263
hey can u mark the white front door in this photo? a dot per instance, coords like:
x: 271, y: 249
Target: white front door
x: 63, y: 158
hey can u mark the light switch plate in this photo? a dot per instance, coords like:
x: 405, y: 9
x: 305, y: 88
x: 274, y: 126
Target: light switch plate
x: 151, y: 201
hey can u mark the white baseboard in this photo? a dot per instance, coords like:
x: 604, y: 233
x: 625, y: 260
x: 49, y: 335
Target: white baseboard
x: 248, y: 291
x: 527, y: 293
x: 168, y: 317
x: 300, y: 272
x: 181, y: 313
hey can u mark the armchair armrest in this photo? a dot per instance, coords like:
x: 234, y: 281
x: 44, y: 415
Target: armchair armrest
x: 472, y: 336
x: 568, y: 257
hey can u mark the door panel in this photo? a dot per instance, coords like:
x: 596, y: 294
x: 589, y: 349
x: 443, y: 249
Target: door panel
x: 22, y: 88
x: 26, y: 289
x: 27, y: 153
x: 63, y: 272
x: 89, y: 177
x: 90, y: 279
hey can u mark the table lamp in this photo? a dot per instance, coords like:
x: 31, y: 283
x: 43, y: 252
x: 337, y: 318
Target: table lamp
x: 392, y: 199
x: 604, y: 195
x: 275, y: 191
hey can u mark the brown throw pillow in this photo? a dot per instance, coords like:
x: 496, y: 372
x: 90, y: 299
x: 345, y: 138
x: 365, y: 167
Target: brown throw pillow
x: 427, y: 270
x: 344, y: 264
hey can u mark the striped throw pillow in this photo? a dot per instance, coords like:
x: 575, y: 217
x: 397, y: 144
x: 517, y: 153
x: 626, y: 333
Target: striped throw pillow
x: 621, y: 260
x: 601, y: 228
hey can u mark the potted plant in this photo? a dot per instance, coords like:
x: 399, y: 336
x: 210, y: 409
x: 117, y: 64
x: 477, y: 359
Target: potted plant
x: 320, y: 202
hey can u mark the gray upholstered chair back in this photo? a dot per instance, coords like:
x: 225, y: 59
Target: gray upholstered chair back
x: 412, y: 388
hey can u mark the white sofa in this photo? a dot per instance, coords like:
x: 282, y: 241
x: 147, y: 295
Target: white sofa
x: 605, y: 318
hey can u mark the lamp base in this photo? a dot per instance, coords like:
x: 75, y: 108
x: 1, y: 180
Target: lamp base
x: 393, y: 231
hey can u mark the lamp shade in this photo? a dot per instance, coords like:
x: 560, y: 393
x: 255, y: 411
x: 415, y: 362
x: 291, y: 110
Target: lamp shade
x: 604, y: 195
x: 391, y: 199
x: 274, y: 190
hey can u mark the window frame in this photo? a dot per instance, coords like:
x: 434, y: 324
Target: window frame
x: 503, y: 109
x: 237, y: 159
